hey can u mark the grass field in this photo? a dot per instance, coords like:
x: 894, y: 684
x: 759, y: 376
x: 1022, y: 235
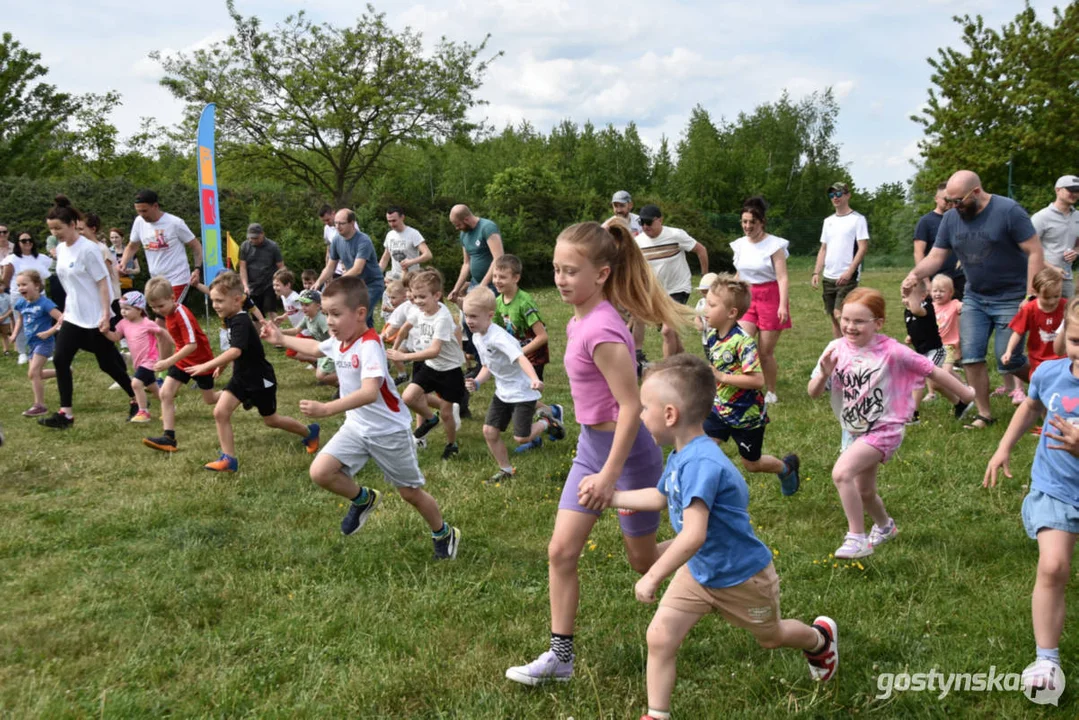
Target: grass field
x: 135, y: 584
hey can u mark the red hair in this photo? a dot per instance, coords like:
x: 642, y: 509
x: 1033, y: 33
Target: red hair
x: 869, y: 297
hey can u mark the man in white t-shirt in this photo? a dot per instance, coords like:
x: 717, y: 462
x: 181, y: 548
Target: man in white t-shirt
x: 405, y: 246
x: 665, y: 250
x: 1058, y: 228
x: 326, y: 215
x: 164, y: 238
x: 844, y: 240
x: 622, y: 204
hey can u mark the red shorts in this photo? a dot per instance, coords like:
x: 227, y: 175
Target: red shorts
x: 765, y: 306
x: 178, y: 291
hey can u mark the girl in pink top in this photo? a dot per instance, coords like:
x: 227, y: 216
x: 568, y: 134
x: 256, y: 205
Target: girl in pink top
x: 600, y: 271
x: 872, y: 377
x: 141, y: 333
x: 947, y: 310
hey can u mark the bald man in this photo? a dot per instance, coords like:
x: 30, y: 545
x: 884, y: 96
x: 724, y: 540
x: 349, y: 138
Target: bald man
x: 481, y: 245
x: 996, y: 244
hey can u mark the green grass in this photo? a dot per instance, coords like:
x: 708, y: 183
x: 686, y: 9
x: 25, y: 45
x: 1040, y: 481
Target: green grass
x: 134, y: 584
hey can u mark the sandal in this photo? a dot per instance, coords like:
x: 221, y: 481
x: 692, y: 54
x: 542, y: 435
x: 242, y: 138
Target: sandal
x: 985, y: 422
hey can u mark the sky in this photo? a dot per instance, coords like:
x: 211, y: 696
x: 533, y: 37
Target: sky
x: 608, y: 62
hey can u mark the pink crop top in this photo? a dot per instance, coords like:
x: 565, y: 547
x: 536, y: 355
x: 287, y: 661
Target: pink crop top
x: 593, y: 402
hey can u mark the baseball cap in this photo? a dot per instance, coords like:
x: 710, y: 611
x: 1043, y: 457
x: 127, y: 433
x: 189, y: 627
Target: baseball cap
x: 148, y: 197
x: 254, y: 230
x: 621, y: 197
x: 135, y: 299
x: 650, y: 212
x: 838, y: 187
x: 1068, y: 181
x: 308, y: 297
x: 706, y: 281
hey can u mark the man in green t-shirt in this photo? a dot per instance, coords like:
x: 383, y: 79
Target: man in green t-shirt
x: 481, y: 245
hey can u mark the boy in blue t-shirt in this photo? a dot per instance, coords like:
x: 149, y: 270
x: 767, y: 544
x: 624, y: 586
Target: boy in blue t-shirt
x: 717, y: 561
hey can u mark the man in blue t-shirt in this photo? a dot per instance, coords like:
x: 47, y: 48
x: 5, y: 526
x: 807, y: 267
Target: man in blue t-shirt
x: 995, y: 241
x: 356, y: 254
x: 925, y: 234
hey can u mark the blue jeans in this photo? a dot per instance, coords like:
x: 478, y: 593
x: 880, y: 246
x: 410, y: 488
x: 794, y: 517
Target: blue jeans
x: 374, y: 294
x: 981, y: 316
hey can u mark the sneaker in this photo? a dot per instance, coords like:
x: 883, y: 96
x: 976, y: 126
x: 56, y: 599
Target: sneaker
x: 224, y: 463
x: 930, y: 397
x: 401, y: 379
x: 999, y: 392
x: 35, y: 410
x: 446, y: 548
x: 546, y: 667
x: 789, y: 481
x: 358, y: 514
x: 142, y: 416
x: 501, y: 476
x: 311, y: 441
x: 880, y: 535
x: 114, y: 386
x: 425, y: 427
x: 163, y: 443
x: 531, y: 445
x: 457, y: 416
x: 770, y: 398
x: 132, y: 410
x: 1041, y: 675
x: 822, y: 665
x: 308, y: 366
x: 421, y: 443
x: 962, y: 408
x: 450, y: 451
x: 1017, y: 396
x: 23, y: 359
x: 853, y: 547
x: 915, y: 419
x: 555, y: 429
x: 57, y: 421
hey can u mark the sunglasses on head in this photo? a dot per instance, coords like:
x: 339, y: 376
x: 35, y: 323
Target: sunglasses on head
x: 835, y: 194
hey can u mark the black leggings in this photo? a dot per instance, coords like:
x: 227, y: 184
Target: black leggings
x: 73, y: 338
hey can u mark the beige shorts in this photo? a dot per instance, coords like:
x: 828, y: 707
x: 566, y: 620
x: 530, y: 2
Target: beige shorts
x: 753, y: 605
x: 951, y: 354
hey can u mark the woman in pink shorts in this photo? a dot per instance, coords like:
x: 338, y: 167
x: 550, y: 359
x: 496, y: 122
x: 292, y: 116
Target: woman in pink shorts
x: 761, y: 261
x: 872, y: 377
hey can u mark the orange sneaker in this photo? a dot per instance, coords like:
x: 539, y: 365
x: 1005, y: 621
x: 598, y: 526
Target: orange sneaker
x: 311, y: 441
x: 225, y: 463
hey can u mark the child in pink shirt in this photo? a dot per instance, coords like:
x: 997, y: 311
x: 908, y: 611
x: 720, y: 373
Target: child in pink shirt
x: 872, y: 378
x: 947, y: 309
x: 140, y: 332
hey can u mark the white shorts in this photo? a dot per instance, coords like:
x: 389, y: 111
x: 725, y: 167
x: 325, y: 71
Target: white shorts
x: 936, y: 356
x: 395, y: 454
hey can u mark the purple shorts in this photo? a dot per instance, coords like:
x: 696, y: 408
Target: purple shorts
x: 642, y: 470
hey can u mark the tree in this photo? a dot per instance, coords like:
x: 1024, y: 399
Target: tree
x: 30, y: 112
x: 1013, y: 96
x: 320, y: 104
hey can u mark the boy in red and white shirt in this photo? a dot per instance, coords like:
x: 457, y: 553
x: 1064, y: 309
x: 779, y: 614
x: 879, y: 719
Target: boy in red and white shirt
x: 377, y: 422
x: 1038, y: 319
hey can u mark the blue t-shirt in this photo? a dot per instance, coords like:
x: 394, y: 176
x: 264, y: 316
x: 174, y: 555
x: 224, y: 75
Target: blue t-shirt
x: 359, y: 246
x: 35, y: 315
x: 1056, y: 472
x: 731, y: 553
x: 926, y: 231
x: 988, y: 247
x: 474, y: 242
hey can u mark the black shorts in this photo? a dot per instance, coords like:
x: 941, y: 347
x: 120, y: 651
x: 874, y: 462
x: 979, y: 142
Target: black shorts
x: 145, y: 376
x: 539, y: 369
x: 449, y: 384
x: 680, y: 297
x: 205, y: 382
x: 750, y: 441
x: 264, y: 400
x: 264, y: 299
x: 499, y: 414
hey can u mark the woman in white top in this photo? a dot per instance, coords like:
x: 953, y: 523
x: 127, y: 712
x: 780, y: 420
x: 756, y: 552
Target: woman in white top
x: 86, y: 313
x: 761, y: 261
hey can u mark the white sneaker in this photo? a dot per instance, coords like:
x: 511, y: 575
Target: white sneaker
x: 880, y: 535
x: 853, y: 547
x: 23, y: 359
x: 1042, y: 676
x: 421, y: 443
x: 770, y: 398
x: 114, y: 386
x: 457, y: 416
x: 547, y: 667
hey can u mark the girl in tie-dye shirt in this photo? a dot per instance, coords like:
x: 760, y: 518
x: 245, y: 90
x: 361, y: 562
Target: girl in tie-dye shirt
x: 872, y: 376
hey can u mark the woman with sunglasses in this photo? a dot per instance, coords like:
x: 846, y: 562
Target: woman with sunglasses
x: 24, y: 256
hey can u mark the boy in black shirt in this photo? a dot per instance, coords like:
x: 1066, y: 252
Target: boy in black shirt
x: 253, y: 383
x: 924, y: 336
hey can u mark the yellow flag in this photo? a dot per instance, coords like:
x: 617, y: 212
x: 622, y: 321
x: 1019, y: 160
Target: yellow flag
x: 234, y: 253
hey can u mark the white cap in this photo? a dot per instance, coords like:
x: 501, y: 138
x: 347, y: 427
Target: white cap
x: 1067, y: 181
x: 706, y: 281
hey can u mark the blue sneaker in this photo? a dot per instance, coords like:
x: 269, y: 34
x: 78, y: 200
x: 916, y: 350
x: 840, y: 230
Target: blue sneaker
x: 225, y: 463
x: 425, y: 427
x: 311, y: 441
x: 556, y: 431
x: 789, y: 481
x: 533, y: 445
x: 358, y: 514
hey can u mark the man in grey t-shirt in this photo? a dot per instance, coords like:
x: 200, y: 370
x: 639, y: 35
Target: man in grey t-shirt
x: 260, y: 258
x: 1058, y: 228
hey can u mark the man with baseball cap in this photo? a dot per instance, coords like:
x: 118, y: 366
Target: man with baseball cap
x: 260, y: 258
x: 1058, y: 228
x: 622, y: 204
x: 844, y: 240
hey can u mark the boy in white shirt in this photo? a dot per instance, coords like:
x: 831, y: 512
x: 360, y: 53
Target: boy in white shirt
x: 376, y: 423
x: 436, y: 356
x: 516, y: 384
x: 283, y: 280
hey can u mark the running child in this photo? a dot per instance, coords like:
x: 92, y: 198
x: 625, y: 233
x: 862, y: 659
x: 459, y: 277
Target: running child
x: 314, y: 326
x: 1039, y: 320
x: 283, y: 280
x: 393, y: 325
x: 436, y: 356
x: 7, y: 318
x: 41, y: 319
x: 947, y: 310
x: 253, y: 382
x: 309, y: 278
x: 517, y: 386
x: 140, y: 333
x: 520, y: 316
x: 377, y: 426
x: 717, y: 562
x: 872, y: 378
x: 923, y: 334
x: 739, y: 410
x: 192, y: 349
x: 599, y: 271
x: 392, y: 299
x: 1051, y: 507
x: 700, y: 309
